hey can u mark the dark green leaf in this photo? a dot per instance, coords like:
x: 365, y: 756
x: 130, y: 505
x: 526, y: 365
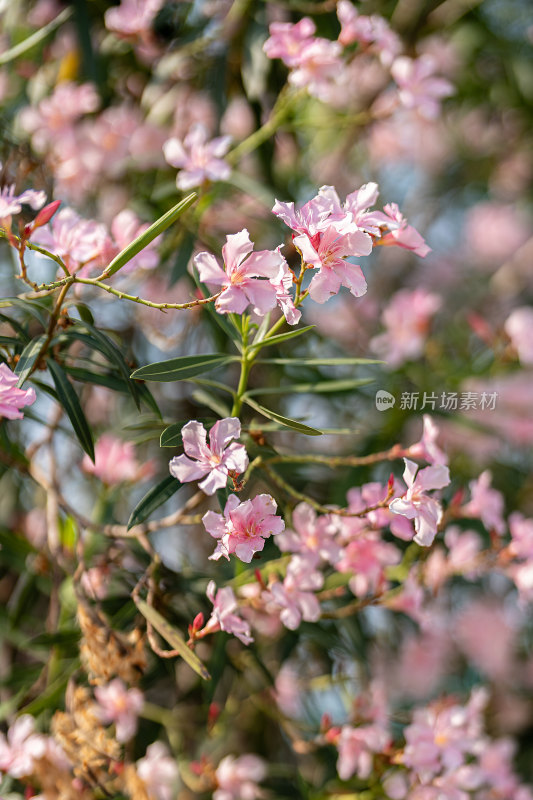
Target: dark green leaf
x: 33, y: 307
x: 69, y: 400
x: 281, y: 337
x: 96, y: 340
x: 98, y: 378
x: 173, y: 637
x: 150, y: 234
x: 177, y: 369
x: 153, y: 499
x: 85, y: 313
x: 28, y: 357
x: 289, y: 423
x: 318, y: 362
x: 15, y: 324
x: 321, y: 387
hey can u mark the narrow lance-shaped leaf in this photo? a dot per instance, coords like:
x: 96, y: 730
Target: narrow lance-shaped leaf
x: 177, y: 369
x: 319, y: 362
x: 281, y: 337
x: 173, y: 637
x: 299, y: 427
x: 69, y: 400
x: 150, y: 234
x: 157, y: 495
x: 28, y: 357
x: 320, y: 387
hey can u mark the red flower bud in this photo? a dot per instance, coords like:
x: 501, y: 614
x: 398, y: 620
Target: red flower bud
x: 45, y: 214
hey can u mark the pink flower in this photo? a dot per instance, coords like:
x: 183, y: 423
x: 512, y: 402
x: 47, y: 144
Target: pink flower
x: 198, y: 159
x: 293, y: 598
x: 356, y: 748
x: 427, y: 447
x: 518, y: 327
x: 310, y: 219
x: 367, y: 558
x: 406, y: 319
x: 159, y: 772
x: 21, y: 747
x: 115, y: 462
x: 132, y: 18
x: 368, y: 30
x: 286, y: 40
x: 311, y: 535
x: 78, y: 242
x: 425, y: 511
x: 10, y: 203
x: 417, y: 88
x: 283, y: 283
x: 441, y: 738
x: 13, y: 399
x: 240, y: 281
x: 486, y: 503
x: 215, y: 460
x: 223, y: 617
x: 237, y: 778
x: 68, y: 103
x: 317, y: 67
x: 487, y: 637
x: 121, y: 706
x: 400, y: 233
x: 328, y: 256
x: 244, y: 527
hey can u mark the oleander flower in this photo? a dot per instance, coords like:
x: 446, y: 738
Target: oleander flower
x: 416, y: 505
x: 197, y: 158
x: 241, y: 277
x: 214, y: 460
x: 120, y: 705
x: 244, y: 526
x: 12, y: 399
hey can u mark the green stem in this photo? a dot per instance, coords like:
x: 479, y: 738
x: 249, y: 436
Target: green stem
x: 247, y: 359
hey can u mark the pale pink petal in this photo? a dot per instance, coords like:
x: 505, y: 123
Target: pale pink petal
x: 237, y: 247
x: 185, y: 470
x: 223, y: 432
x: 209, y: 269
x: 324, y: 285
x: 194, y: 435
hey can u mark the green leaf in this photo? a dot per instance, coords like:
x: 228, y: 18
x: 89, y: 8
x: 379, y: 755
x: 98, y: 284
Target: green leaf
x: 98, y: 378
x: 320, y: 387
x: 319, y: 362
x: 28, y: 357
x: 173, y: 637
x: 281, y: 337
x: 69, y: 400
x: 96, y: 340
x: 177, y: 369
x: 33, y: 307
x: 15, y: 324
x: 157, y: 495
x: 286, y: 421
x: 150, y: 234
x: 85, y: 313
